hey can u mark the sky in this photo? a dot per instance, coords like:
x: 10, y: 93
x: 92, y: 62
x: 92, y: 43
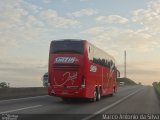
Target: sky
x: 28, y: 26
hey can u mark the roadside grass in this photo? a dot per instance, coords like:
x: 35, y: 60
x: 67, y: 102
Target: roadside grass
x: 157, y: 87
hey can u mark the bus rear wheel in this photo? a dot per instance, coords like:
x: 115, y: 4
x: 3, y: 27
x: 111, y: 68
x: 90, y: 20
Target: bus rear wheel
x: 98, y: 95
x: 95, y: 96
x: 113, y: 91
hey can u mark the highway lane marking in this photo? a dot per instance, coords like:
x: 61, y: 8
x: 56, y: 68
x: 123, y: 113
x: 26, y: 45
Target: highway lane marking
x: 110, y: 106
x: 23, y: 98
x: 9, y: 111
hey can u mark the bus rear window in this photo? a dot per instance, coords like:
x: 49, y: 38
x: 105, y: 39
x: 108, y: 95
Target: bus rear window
x: 66, y: 46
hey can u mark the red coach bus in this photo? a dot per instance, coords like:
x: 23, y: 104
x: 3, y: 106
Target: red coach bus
x: 78, y: 69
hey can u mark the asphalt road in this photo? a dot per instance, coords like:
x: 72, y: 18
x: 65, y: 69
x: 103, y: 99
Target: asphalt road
x: 128, y: 99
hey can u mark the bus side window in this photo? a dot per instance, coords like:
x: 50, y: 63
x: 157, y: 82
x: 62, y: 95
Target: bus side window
x: 111, y: 63
x: 108, y: 64
x: 94, y: 60
x: 90, y: 54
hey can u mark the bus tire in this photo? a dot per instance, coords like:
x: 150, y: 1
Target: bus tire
x: 98, y: 95
x: 95, y: 96
x: 113, y: 91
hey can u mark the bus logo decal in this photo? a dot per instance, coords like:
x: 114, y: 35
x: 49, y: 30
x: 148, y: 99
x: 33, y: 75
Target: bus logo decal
x: 93, y: 68
x: 70, y: 77
x: 65, y: 60
x: 67, y: 76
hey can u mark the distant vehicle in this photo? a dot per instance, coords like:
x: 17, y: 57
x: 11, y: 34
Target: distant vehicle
x: 45, y: 79
x: 4, y: 85
x: 121, y: 83
x: 78, y: 69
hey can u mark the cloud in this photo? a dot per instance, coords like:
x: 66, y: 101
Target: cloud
x: 120, y: 37
x: 83, y: 12
x: 85, y: 0
x: 19, y: 26
x: 22, y: 72
x: 112, y: 19
x: 10, y: 17
x: 67, y: 0
x: 141, y: 39
x: 23, y: 29
x: 149, y: 17
x: 52, y: 18
x: 16, y: 25
x: 94, y: 30
x: 46, y: 1
x: 22, y: 22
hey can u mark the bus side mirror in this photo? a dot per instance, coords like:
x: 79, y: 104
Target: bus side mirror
x: 118, y: 74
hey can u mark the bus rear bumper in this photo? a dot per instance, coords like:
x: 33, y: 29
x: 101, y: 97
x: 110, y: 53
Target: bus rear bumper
x: 80, y: 93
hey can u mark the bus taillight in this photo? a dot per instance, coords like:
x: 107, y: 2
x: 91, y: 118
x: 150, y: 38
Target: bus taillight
x: 83, y: 84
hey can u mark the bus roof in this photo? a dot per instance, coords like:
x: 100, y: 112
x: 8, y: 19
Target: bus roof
x: 111, y: 57
x: 68, y: 40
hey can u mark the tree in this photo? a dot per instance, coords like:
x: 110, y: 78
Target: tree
x: 3, y: 85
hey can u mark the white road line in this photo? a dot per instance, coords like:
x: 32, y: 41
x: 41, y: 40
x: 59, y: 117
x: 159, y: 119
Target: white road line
x: 110, y: 106
x: 23, y: 98
x: 21, y: 109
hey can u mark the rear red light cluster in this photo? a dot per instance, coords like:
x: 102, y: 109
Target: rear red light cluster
x: 83, y: 84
